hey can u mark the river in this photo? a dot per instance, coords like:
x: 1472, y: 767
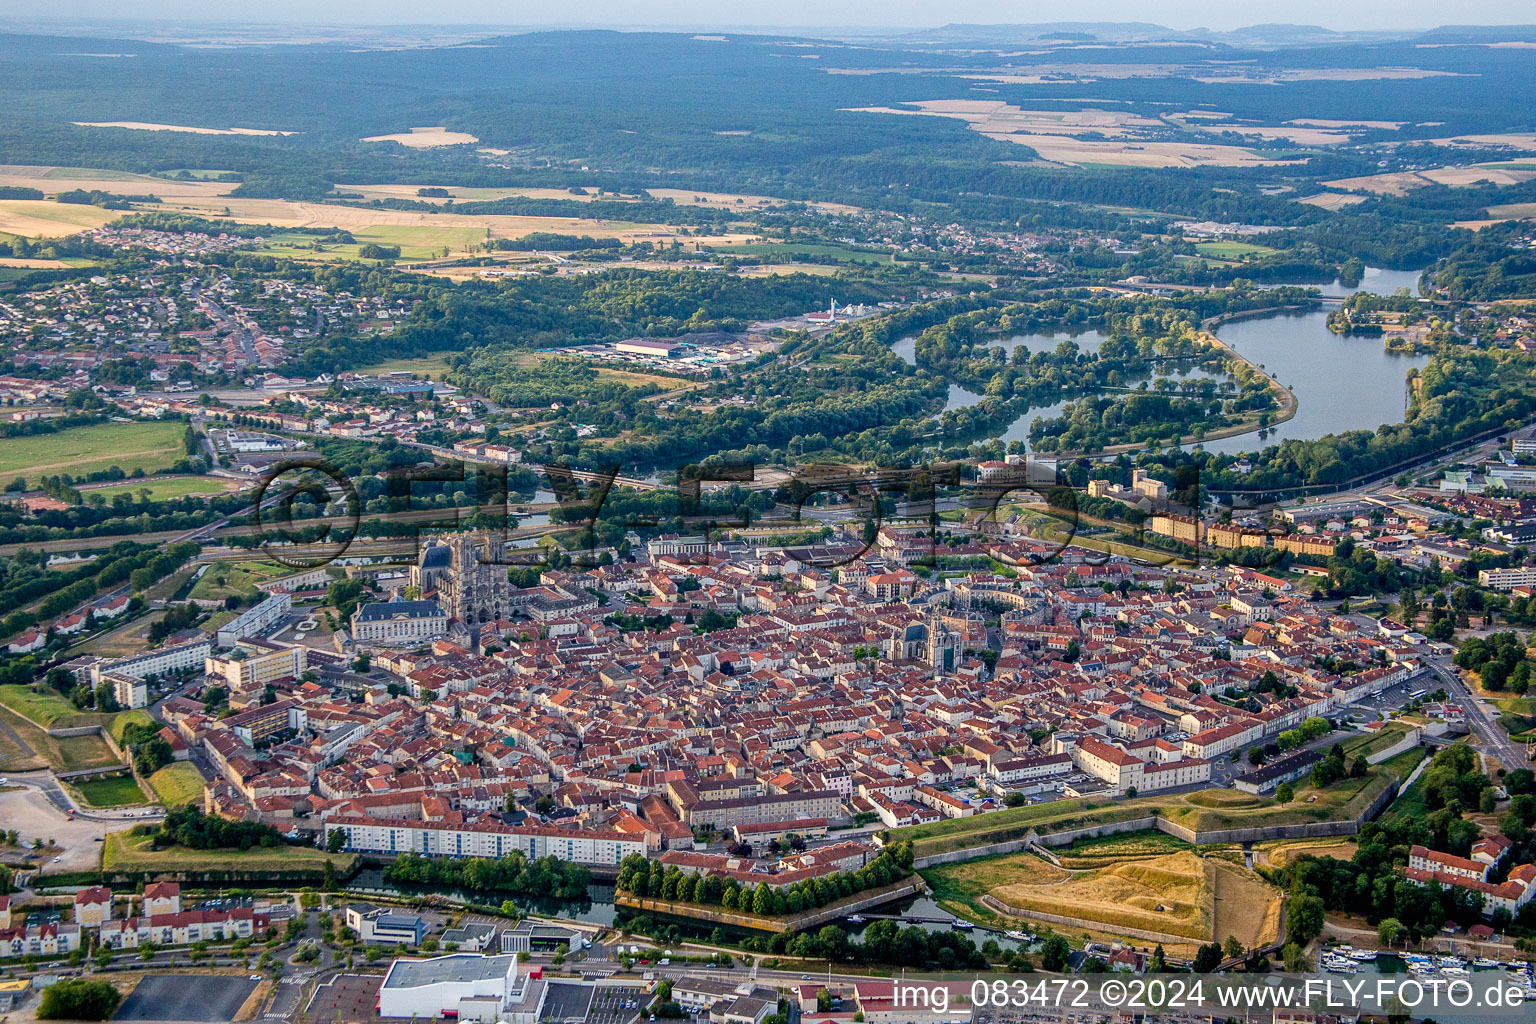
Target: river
x: 1340, y: 382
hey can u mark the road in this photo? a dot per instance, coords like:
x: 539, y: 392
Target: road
x: 1488, y: 731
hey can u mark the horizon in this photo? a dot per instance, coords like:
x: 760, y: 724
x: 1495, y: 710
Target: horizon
x: 1181, y: 16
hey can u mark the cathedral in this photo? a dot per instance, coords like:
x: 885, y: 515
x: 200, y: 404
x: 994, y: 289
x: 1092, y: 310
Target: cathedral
x: 469, y: 575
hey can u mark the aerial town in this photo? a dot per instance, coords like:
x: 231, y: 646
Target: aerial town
x: 902, y: 518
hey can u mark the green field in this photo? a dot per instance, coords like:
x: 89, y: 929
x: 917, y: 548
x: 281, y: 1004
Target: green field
x: 122, y: 852
x: 225, y: 578
x: 1231, y: 250
x: 416, y: 242
x: 776, y: 251
x: 100, y: 446
x: 163, y: 490
x: 117, y: 791
x: 433, y: 366
x: 94, y: 174
x: 177, y: 784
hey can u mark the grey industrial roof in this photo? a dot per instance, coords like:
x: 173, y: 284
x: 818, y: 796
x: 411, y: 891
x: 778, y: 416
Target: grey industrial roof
x: 460, y: 967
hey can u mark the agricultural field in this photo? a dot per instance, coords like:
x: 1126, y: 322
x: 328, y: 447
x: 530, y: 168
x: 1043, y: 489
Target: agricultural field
x: 226, y: 578
x: 177, y: 784
x: 117, y: 791
x: 89, y: 449
x: 124, y: 852
x: 426, y: 138
x: 416, y: 242
x: 33, y: 218
x: 789, y: 250
x: 164, y: 490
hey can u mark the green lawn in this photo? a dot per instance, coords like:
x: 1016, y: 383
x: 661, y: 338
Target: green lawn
x: 225, y: 578
x: 45, y: 706
x: 88, y: 751
x: 177, y: 784
x: 48, y: 708
x: 118, y: 791
x: 163, y: 490
x: 100, y: 446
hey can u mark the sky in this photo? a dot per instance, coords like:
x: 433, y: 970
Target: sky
x: 1179, y: 14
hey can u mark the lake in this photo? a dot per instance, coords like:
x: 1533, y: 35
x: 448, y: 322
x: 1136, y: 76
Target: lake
x: 1340, y: 382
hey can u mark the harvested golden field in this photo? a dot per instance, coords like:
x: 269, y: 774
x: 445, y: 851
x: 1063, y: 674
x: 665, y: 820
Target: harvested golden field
x: 53, y: 180
x: 150, y: 126
x: 1332, y: 200
x: 290, y: 214
x: 36, y: 219
x: 426, y: 138
x: 1398, y: 183
x: 1049, y: 133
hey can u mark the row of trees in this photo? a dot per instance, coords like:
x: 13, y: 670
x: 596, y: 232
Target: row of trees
x: 514, y: 873
x: 644, y: 878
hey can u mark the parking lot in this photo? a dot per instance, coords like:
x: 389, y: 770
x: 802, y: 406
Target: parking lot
x: 567, y: 1002
x: 191, y: 998
x: 616, y: 1006
x: 345, y: 999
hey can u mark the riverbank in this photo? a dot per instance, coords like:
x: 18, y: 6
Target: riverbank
x: 1284, y: 398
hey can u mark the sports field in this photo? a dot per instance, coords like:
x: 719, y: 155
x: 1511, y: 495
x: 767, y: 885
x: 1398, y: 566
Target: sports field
x: 164, y: 490
x: 1231, y: 250
x: 81, y: 450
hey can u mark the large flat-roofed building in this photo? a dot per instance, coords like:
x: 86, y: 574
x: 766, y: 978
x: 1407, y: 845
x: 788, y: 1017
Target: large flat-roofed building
x: 250, y: 666
x: 257, y: 619
x: 260, y: 724
x: 486, y: 839
x: 130, y: 691
x: 649, y: 347
x: 159, y: 662
x: 466, y: 986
